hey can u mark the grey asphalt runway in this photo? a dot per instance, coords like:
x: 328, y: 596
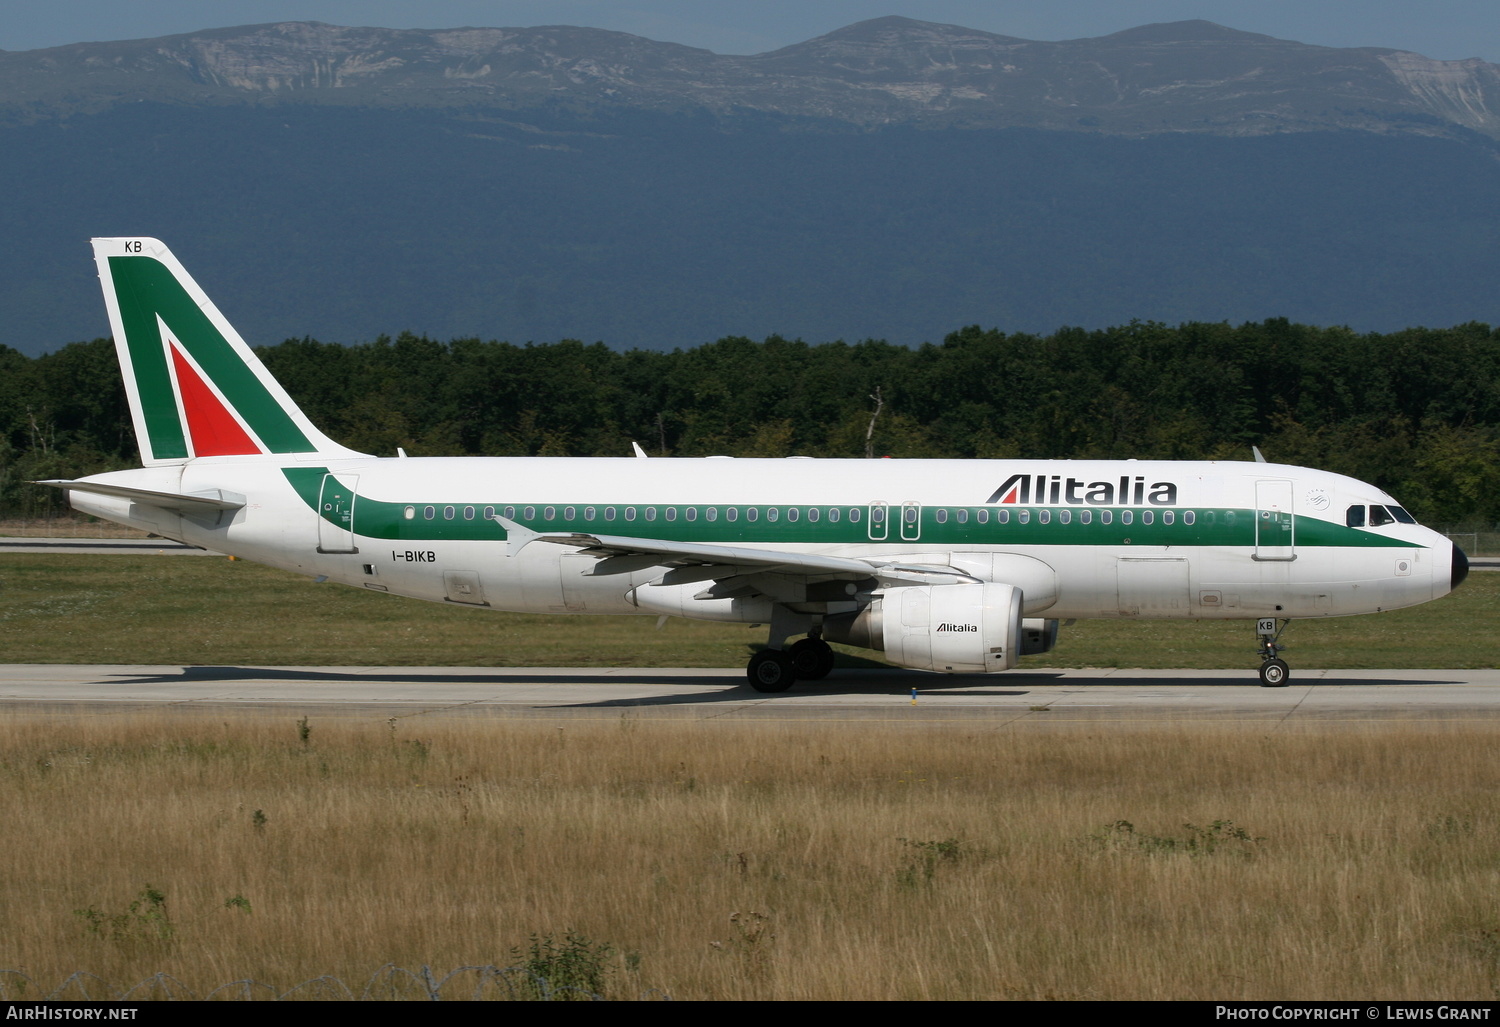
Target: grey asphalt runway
x: 1035, y: 696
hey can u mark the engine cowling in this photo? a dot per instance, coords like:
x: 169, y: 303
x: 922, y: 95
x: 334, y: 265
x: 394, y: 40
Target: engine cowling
x: 951, y: 629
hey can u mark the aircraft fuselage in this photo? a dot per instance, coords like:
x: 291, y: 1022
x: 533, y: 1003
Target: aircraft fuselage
x: 1221, y: 540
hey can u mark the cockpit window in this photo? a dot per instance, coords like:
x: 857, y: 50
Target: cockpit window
x: 1401, y: 515
x: 1355, y: 518
x: 1380, y: 516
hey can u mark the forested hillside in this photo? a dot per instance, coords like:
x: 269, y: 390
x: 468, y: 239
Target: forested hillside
x: 1416, y: 412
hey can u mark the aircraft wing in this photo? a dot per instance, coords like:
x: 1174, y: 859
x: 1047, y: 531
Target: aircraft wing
x: 735, y: 570
x: 200, y: 502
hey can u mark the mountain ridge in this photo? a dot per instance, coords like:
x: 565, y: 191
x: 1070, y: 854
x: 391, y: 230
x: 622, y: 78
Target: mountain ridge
x: 1192, y: 76
x: 891, y: 179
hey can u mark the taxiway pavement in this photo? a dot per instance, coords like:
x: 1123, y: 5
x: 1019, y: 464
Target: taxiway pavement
x: 1040, y: 696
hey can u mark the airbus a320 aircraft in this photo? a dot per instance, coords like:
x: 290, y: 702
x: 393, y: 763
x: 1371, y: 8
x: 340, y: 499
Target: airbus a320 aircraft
x: 943, y: 565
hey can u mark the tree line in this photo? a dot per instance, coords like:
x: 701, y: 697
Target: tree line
x: 1416, y: 412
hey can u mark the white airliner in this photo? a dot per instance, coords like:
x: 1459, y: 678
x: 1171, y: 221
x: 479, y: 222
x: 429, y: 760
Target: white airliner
x: 956, y: 566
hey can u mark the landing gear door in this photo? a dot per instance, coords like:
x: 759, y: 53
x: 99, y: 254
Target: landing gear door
x: 1275, y: 527
x: 463, y: 587
x: 336, y: 515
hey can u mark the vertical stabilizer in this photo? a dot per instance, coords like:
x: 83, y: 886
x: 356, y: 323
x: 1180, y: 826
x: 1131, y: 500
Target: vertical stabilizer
x: 195, y: 388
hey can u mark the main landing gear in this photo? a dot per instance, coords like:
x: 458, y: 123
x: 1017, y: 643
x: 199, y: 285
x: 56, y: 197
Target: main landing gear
x: 776, y: 670
x: 812, y: 658
x: 1273, y: 669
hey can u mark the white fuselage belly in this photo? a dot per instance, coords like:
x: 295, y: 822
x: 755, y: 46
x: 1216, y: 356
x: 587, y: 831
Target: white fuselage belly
x: 1118, y: 570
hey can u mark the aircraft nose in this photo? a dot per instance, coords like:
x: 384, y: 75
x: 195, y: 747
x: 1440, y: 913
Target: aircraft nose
x: 1460, y: 567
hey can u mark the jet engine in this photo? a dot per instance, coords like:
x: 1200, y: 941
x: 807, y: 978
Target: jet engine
x: 952, y: 629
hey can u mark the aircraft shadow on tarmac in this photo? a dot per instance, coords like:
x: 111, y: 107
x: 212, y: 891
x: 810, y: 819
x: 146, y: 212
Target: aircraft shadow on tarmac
x: 720, y: 688
x: 496, y: 677
x: 716, y: 688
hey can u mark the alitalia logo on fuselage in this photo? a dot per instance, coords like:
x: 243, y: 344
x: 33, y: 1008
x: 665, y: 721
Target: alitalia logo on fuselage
x: 1054, y: 489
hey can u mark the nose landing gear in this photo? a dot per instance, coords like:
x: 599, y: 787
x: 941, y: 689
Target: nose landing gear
x: 1273, y: 669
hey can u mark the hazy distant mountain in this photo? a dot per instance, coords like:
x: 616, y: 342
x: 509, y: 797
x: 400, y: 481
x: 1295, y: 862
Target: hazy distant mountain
x: 1191, y: 76
x: 893, y: 179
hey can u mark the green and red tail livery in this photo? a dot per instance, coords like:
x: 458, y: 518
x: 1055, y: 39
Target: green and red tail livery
x: 195, y: 388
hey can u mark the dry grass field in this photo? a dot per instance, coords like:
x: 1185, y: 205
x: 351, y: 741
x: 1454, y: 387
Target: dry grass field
x: 65, y: 526
x: 723, y: 860
x: 716, y: 860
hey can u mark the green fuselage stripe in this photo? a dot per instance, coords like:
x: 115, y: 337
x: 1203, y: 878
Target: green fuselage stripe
x: 1211, y: 527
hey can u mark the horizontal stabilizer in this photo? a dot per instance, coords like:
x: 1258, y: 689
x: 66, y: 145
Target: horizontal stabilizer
x: 199, y: 502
